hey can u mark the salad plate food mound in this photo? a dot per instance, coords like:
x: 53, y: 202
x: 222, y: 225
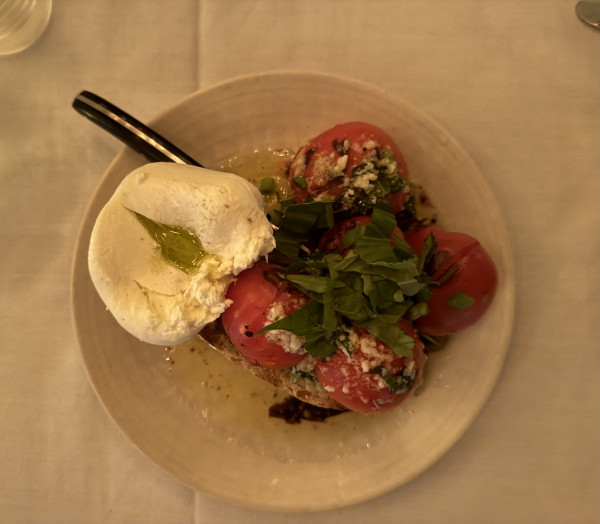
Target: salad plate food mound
x: 359, y: 263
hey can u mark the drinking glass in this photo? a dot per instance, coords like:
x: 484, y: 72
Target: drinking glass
x: 21, y: 23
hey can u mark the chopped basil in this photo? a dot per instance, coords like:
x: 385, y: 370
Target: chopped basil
x: 392, y: 335
x: 309, y: 282
x: 300, y: 181
x: 267, y: 185
x: 374, y: 285
x: 427, y: 251
x: 319, y: 347
x: 398, y: 384
x: 297, y: 226
x: 389, y: 155
x: 460, y: 300
x: 419, y: 310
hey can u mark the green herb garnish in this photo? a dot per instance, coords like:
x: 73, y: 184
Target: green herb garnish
x: 267, y: 185
x: 460, y: 300
x: 397, y: 384
x: 300, y: 181
x: 374, y: 285
x: 178, y: 245
x: 297, y: 226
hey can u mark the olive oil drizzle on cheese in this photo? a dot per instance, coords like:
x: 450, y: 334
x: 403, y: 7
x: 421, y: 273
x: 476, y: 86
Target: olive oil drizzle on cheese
x: 178, y: 245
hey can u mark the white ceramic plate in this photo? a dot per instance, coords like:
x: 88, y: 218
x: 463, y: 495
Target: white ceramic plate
x: 205, y: 421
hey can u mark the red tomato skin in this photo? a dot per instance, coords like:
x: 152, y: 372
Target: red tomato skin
x: 345, y: 380
x: 333, y: 239
x: 463, y: 266
x: 309, y: 160
x: 253, y: 293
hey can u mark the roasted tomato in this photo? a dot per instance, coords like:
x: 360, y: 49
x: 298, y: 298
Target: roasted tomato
x: 333, y: 239
x: 366, y: 376
x: 259, y: 298
x: 460, y: 269
x: 354, y: 162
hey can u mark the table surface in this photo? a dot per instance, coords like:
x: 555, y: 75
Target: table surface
x: 516, y: 82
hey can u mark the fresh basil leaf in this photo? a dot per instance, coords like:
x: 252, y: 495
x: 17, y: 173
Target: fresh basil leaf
x: 418, y: 310
x: 403, y: 250
x: 306, y: 264
x: 332, y: 261
x: 298, y: 223
x: 326, y: 219
x: 351, y: 262
x: 383, y: 206
x: 401, y: 272
x: 427, y: 251
x: 411, y: 287
x: 424, y: 294
x: 304, y: 321
x: 330, y: 318
x: 382, y: 294
x: 392, y: 335
x: 394, y: 313
x: 309, y: 282
x: 382, y: 224
x: 354, y: 281
x: 351, y: 304
x: 287, y: 243
x: 375, y: 250
x: 368, y: 284
x: 319, y: 347
x: 351, y: 236
x: 284, y: 204
x: 301, y: 218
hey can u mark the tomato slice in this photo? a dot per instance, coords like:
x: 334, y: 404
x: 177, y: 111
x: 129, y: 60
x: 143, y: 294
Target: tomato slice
x: 259, y: 297
x: 325, y: 167
x: 460, y: 265
x: 370, y: 377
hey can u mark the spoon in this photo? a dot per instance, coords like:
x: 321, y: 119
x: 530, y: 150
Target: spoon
x: 589, y: 12
x: 129, y: 130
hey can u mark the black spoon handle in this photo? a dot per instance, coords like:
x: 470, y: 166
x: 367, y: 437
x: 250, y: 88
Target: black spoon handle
x: 129, y: 130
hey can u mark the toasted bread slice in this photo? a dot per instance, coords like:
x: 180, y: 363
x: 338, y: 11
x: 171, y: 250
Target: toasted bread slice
x: 303, y: 388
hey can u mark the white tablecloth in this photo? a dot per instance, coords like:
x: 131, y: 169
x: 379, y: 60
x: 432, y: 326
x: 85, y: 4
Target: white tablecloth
x: 515, y: 81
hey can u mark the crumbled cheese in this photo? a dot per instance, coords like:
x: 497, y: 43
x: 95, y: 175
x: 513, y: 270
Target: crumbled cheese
x: 352, y: 337
x: 290, y: 342
x: 341, y: 163
x: 363, y: 180
x: 410, y: 370
x: 306, y: 365
x: 275, y: 312
x: 370, y: 144
x: 322, y: 168
x: 381, y: 384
